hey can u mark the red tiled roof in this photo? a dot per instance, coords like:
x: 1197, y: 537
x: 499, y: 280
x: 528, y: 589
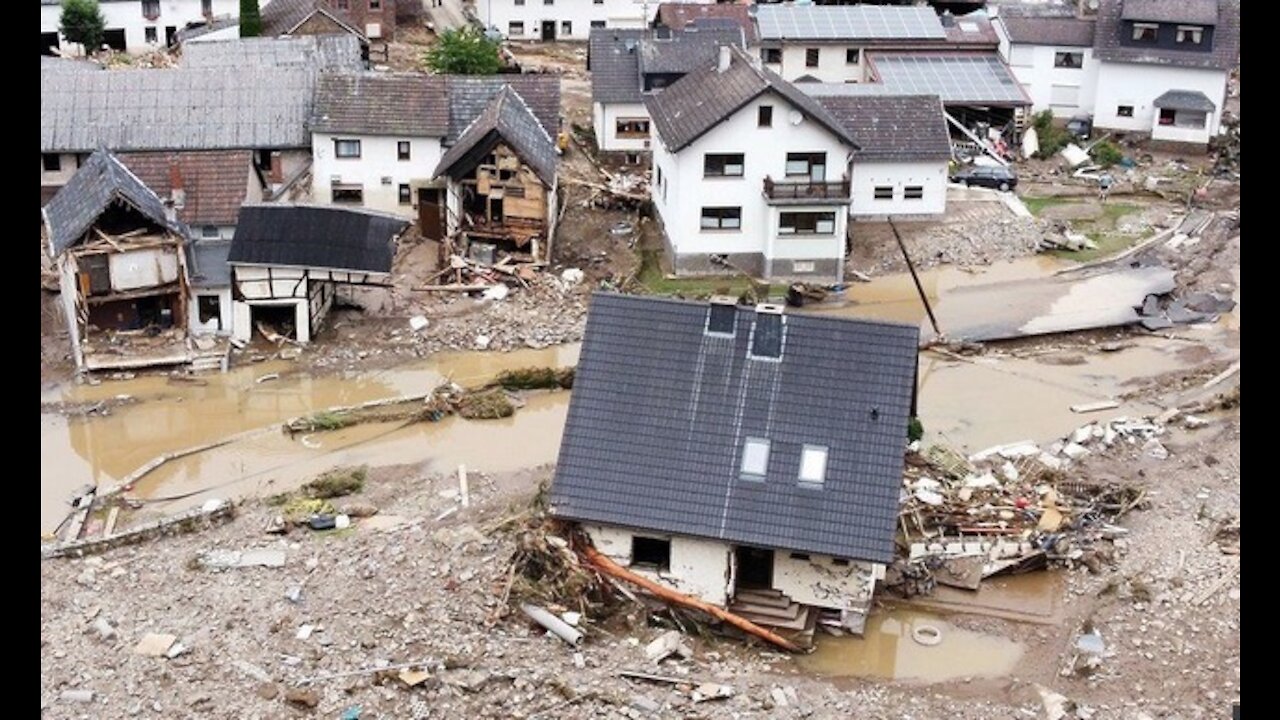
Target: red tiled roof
x: 215, y: 181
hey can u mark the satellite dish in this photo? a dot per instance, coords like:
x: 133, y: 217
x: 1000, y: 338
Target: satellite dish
x: 796, y: 117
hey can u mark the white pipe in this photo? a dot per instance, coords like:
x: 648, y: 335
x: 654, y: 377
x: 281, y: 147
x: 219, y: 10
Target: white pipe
x: 558, y: 627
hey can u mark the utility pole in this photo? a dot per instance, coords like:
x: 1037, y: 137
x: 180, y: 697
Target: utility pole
x: 916, y: 278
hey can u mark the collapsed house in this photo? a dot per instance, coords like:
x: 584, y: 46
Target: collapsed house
x: 746, y: 457
x: 287, y: 262
x: 502, y: 181
x: 120, y: 253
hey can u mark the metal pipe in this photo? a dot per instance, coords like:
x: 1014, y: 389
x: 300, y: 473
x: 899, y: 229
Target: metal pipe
x: 558, y: 627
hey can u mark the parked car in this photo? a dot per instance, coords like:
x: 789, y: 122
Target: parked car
x: 1000, y: 178
x: 1080, y: 126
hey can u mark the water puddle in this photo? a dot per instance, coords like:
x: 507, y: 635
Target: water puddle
x: 887, y: 651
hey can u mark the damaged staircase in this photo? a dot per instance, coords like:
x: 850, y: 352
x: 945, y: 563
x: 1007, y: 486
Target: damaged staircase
x: 773, y: 609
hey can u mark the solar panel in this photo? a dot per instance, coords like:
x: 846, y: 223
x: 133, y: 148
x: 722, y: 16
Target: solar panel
x: 957, y: 79
x: 848, y: 22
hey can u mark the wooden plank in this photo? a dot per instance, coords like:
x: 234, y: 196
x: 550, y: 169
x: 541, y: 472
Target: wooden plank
x: 1095, y: 406
x: 112, y: 516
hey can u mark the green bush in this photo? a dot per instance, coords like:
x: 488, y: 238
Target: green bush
x: 250, y: 19
x: 915, y: 429
x: 1106, y: 153
x: 463, y: 52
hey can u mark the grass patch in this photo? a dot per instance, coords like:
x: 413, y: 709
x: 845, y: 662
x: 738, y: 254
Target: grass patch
x: 655, y: 282
x: 336, y: 483
x: 1102, y: 232
x: 1037, y: 205
x: 298, y: 509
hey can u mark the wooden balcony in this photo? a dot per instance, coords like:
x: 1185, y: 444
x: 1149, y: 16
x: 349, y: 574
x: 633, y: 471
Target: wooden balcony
x: 806, y: 192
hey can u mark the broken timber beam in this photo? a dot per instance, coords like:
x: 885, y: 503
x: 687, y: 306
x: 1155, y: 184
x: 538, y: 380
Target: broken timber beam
x: 611, y: 568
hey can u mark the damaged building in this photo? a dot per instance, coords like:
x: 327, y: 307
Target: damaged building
x: 287, y: 262
x: 120, y: 254
x: 741, y: 455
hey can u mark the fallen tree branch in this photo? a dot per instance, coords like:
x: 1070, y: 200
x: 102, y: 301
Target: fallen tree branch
x: 609, y: 567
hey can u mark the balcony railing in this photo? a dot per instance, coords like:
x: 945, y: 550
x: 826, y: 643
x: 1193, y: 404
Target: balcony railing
x: 806, y: 190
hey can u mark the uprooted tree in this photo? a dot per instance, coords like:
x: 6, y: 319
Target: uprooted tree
x: 250, y: 18
x: 82, y: 22
x: 466, y: 51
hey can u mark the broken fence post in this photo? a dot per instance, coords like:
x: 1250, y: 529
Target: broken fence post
x: 558, y: 627
x: 464, y: 491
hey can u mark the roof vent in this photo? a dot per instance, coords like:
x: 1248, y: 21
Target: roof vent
x: 767, y: 335
x: 722, y: 316
x: 948, y: 20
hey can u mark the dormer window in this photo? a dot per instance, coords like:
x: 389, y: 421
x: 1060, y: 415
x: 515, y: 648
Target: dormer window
x: 813, y: 464
x: 1189, y: 34
x: 1145, y: 32
x: 722, y: 316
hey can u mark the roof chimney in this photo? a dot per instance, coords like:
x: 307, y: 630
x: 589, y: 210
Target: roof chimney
x: 176, y: 188
x: 948, y: 20
x: 723, y: 63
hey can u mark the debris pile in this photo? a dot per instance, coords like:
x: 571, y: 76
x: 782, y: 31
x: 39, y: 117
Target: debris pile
x: 482, y: 275
x: 1013, y: 508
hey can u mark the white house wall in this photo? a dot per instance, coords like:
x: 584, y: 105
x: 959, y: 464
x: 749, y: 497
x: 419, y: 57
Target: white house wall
x: 67, y: 167
x: 378, y: 159
x: 579, y: 13
x: 143, y: 268
x: 127, y: 15
x: 820, y: 582
x: 1065, y: 91
x: 221, y: 325
x: 698, y: 567
x: 605, y: 119
x: 1139, y: 86
x: 932, y: 176
x: 832, y: 66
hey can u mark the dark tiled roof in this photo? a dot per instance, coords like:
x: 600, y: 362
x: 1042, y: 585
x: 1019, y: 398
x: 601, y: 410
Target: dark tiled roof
x: 1185, y: 100
x: 319, y: 52
x: 698, y: 101
x: 54, y: 65
x: 280, y: 17
x: 1069, y: 32
x: 192, y: 32
x: 215, y: 182
x: 678, y: 15
x: 613, y: 59
x: 207, y: 263
x: 316, y: 236
x: 469, y: 95
x: 1199, y: 12
x: 1223, y: 56
x: 509, y: 118
x: 893, y: 128
x: 100, y: 181
x: 686, y: 50
x: 660, y: 412
x: 973, y: 29
x: 401, y: 104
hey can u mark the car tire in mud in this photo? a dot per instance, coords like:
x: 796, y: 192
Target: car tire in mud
x: 926, y: 635
x: 1004, y: 187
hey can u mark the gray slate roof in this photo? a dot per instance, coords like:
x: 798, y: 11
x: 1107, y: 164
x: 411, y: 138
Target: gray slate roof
x: 282, y: 16
x: 900, y: 128
x: 509, y: 118
x: 53, y: 64
x: 613, y: 59
x: 700, y: 100
x: 678, y: 15
x: 787, y: 21
x: 1185, y: 100
x: 400, y: 104
x: 316, y: 236
x: 99, y: 182
x: 207, y: 263
x: 321, y: 52
x: 1223, y: 56
x: 1199, y: 12
x: 660, y: 410
x: 687, y: 49
x: 469, y: 95
x: 175, y: 109
x: 1063, y: 32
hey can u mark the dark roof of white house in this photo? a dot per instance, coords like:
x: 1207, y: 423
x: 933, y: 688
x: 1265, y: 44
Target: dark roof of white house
x: 902, y: 128
x: 1226, y: 33
x: 1185, y: 100
x: 316, y: 236
x: 507, y: 118
x: 661, y: 410
x: 400, y: 104
x: 613, y: 57
x: 1059, y: 31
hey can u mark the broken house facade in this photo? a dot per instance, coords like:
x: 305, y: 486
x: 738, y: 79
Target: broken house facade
x: 288, y: 261
x: 1136, y: 66
x: 740, y: 455
x: 561, y: 19
x: 749, y: 171
x: 133, y: 26
x: 121, y: 259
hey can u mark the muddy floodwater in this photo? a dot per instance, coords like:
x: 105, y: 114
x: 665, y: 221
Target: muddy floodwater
x: 969, y: 403
x: 888, y: 651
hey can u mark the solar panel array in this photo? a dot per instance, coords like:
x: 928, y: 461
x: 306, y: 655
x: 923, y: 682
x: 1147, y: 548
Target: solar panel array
x: 957, y: 79
x: 848, y: 22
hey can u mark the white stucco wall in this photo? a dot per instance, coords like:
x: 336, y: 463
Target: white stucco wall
x: 378, y: 159
x: 284, y: 287
x: 932, y: 176
x: 1172, y: 133
x: 222, y: 325
x: 765, y: 152
x: 136, y: 269
x: 1139, y: 85
x: 698, y: 567
x: 63, y: 174
x: 605, y: 122
x: 831, y: 62
x: 127, y: 15
x: 579, y: 13
x: 819, y: 582
x: 1065, y: 91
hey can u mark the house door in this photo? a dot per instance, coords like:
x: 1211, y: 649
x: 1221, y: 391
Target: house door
x: 548, y: 29
x: 430, y: 214
x: 755, y: 568
x: 170, y: 35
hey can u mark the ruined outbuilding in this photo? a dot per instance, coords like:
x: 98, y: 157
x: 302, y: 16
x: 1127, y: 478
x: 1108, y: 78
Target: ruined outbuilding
x: 122, y: 269
x: 740, y: 455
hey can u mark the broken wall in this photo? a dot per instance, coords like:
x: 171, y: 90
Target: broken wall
x: 817, y: 580
x: 698, y: 567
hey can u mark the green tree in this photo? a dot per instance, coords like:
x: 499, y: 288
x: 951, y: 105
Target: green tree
x: 250, y: 19
x: 82, y: 22
x: 464, y: 52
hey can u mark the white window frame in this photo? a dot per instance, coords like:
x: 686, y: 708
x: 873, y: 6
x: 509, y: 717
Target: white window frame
x: 813, y: 464
x: 755, y: 450
x: 1139, y: 28
x: 1068, y: 53
x: 1194, y: 32
x: 913, y: 192
x: 875, y: 193
x: 338, y: 143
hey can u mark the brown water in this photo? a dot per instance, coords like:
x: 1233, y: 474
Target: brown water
x: 171, y: 417
x: 887, y: 651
